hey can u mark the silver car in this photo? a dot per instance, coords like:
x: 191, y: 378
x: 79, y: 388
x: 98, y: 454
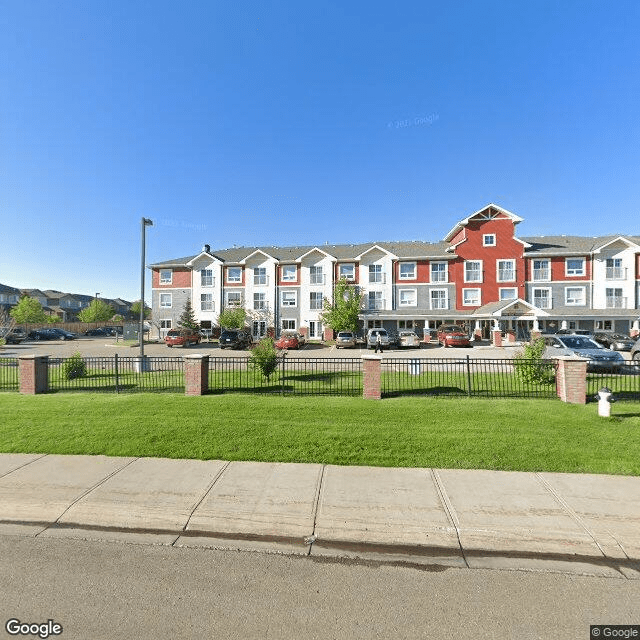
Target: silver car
x: 345, y: 339
x: 598, y: 357
x: 372, y: 336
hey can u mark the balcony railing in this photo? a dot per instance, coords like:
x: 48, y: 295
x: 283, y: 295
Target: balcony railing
x: 437, y: 303
x: 541, y: 274
x: 260, y: 281
x: 616, y: 273
x: 377, y: 278
x: 616, y: 302
x: 376, y: 305
x: 542, y: 303
x: 318, y: 278
x: 506, y: 275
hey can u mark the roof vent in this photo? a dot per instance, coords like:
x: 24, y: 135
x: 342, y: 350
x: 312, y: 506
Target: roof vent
x: 206, y: 248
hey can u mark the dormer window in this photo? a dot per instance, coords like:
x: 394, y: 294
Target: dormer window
x: 489, y: 240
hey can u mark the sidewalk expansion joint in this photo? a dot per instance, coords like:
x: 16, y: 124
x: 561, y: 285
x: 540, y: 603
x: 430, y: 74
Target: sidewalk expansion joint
x: 26, y: 464
x: 309, y: 540
x: 206, y: 493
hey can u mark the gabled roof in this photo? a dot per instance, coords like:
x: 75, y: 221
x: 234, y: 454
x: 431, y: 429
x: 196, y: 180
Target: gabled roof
x: 328, y: 255
x: 481, y: 214
x: 500, y: 308
x: 623, y: 239
x: 373, y: 247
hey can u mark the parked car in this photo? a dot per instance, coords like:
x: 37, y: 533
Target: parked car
x: 577, y: 332
x: 234, y: 339
x: 635, y: 352
x: 345, y: 339
x: 15, y: 336
x: 598, y: 357
x: 289, y: 340
x: 408, y: 339
x: 98, y: 331
x: 182, y: 337
x: 614, y: 341
x: 51, y: 334
x: 372, y: 336
x: 453, y: 335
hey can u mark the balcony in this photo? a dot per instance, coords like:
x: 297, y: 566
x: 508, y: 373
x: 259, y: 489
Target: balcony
x: 616, y: 273
x: 440, y: 303
x: 542, y: 303
x: 377, y: 278
x: 506, y: 275
x: 260, y: 281
x: 542, y: 274
x: 616, y: 302
x: 317, y: 278
x: 376, y: 305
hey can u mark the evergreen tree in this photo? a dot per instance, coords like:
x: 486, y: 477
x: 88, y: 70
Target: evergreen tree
x: 188, y: 319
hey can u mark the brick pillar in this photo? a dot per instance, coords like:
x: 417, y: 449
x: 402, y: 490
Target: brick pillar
x: 571, y: 380
x: 327, y: 333
x: 372, y: 389
x: 196, y: 374
x: 496, y: 338
x: 304, y: 331
x: 511, y: 336
x: 426, y: 338
x: 33, y: 372
x: 535, y: 335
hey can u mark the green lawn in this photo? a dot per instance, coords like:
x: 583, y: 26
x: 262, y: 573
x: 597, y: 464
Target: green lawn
x: 507, y: 434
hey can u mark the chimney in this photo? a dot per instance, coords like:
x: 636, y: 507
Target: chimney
x: 206, y: 248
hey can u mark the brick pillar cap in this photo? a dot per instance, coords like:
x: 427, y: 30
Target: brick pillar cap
x: 573, y: 358
x: 372, y: 357
x: 196, y: 356
x: 31, y: 357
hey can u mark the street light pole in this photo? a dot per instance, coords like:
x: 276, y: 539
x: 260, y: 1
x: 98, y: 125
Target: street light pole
x: 145, y: 222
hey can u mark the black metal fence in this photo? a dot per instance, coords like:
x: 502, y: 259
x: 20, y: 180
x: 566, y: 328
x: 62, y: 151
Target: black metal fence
x: 625, y: 382
x: 9, y: 374
x: 293, y: 376
x: 469, y: 377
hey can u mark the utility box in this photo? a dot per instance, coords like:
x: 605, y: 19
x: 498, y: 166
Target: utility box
x: 131, y: 331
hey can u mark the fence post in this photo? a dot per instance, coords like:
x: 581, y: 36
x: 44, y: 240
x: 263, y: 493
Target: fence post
x: 468, y: 377
x: 117, y: 373
x: 571, y: 380
x: 371, y: 366
x: 33, y: 372
x: 196, y: 374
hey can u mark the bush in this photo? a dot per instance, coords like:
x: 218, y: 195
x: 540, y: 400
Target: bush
x: 264, y: 357
x: 74, y: 367
x: 531, y: 367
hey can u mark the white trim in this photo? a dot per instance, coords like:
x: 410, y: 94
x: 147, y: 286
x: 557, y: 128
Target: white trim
x: 165, y: 306
x: 485, y: 236
x: 514, y: 289
x: 324, y: 253
x: 415, y: 270
x: 464, y: 271
x: 415, y: 298
x: 513, y: 269
x: 575, y: 275
x: 295, y: 274
x: 379, y: 248
x: 533, y: 269
x: 472, y: 304
x: 226, y: 275
x: 161, y: 281
x: 446, y: 298
x: 226, y: 298
x: 253, y: 253
x: 549, y: 290
x: 446, y: 271
x: 575, y: 304
x: 288, y: 292
x: 353, y: 271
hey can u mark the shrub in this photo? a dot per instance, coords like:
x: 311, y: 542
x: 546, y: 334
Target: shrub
x: 264, y: 357
x: 530, y: 366
x: 74, y: 367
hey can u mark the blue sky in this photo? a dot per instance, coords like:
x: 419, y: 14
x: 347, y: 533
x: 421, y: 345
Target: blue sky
x: 304, y: 123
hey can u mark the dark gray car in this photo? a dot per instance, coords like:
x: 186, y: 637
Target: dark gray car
x: 598, y: 357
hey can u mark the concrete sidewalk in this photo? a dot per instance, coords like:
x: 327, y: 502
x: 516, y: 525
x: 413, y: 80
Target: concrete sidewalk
x: 584, y: 524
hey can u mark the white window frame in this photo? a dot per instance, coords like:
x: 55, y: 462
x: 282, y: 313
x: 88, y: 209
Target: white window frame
x: 289, y: 273
x: 579, y: 303
x: 405, y: 324
x: 207, y: 302
x: 513, y: 270
x: 166, y: 296
x: 546, y: 269
x: 575, y: 273
x: 291, y: 322
x: 444, y: 298
x: 489, y: 240
x: 502, y: 290
x: 235, y: 279
x: 480, y: 270
x: 166, y: 323
x: 444, y: 272
x: 313, y: 300
x: 377, y: 298
x: 316, y: 275
x: 472, y: 304
x: 376, y: 276
x: 548, y: 297
x: 260, y: 277
x: 374, y: 324
x: 259, y: 301
x: 163, y: 278
x: 412, y: 302
x: 207, y: 280
x: 352, y: 271
x: 412, y: 275
x: 288, y: 303
x: 233, y: 304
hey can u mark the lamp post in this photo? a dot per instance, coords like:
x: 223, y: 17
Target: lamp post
x: 145, y: 222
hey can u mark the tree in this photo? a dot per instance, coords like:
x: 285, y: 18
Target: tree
x: 264, y: 357
x: 28, y: 310
x: 232, y: 318
x: 135, y: 310
x: 188, y: 319
x: 342, y: 313
x: 97, y: 311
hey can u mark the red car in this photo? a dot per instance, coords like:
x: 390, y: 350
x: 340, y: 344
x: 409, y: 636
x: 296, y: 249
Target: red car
x: 452, y: 335
x: 289, y: 341
x: 182, y: 337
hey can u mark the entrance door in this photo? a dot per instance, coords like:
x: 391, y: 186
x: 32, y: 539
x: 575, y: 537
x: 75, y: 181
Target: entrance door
x: 315, y: 329
x: 259, y: 329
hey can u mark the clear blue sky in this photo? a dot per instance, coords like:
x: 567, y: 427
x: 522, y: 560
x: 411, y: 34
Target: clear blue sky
x: 303, y: 123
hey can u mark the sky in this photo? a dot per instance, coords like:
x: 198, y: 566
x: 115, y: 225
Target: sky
x: 288, y: 123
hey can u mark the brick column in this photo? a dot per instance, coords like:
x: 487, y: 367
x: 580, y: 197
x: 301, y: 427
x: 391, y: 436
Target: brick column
x: 196, y: 374
x: 33, y: 372
x: 511, y: 336
x: 535, y: 335
x: 372, y: 389
x: 496, y: 338
x: 571, y: 380
x: 327, y: 334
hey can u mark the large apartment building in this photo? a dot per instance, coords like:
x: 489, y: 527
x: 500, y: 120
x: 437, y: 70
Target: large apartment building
x: 482, y: 275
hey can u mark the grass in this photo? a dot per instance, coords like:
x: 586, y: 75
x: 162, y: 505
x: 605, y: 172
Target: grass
x: 504, y: 434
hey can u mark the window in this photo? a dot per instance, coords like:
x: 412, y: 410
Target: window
x: 604, y: 325
x: 206, y: 301
x: 289, y: 273
x: 165, y: 300
x: 574, y: 296
x: 615, y: 299
x: 375, y: 273
x: 473, y: 271
x: 374, y: 324
x: 407, y: 271
x: 408, y: 298
x: 315, y: 275
x: 289, y: 299
x: 375, y: 300
x: 347, y: 271
x: 489, y: 240
x: 206, y: 278
x: 542, y: 298
x: 234, y: 274
x: 405, y: 324
x: 259, y: 276
x: 541, y: 270
x: 614, y: 269
x: 288, y: 325
x: 439, y: 299
x: 574, y: 266
x: 315, y: 300
x: 166, y: 276
x: 165, y: 324
x: 439, y: 272
x: 471, y: 297
x: 259, y: 301
x: 508, y: 294
x: 506, y: 270
x: 234, y: 299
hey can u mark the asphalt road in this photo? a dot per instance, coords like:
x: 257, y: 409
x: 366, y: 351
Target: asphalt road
x: 113, y: 590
